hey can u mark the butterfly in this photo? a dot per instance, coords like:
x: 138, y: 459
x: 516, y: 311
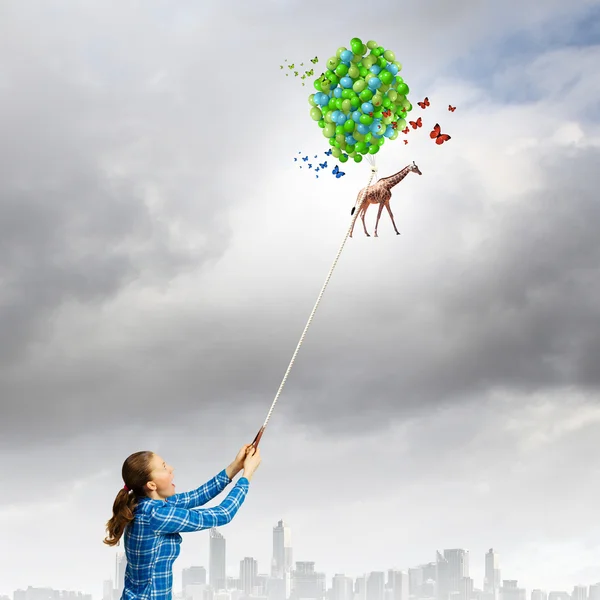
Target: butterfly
x: 281, y: 66
x: 337, y: 172
x: 295, y: 73
x: 451, y: 108
x: 291, y: 67
x: 328, y: 153
x: 305, y: 158
x: 406, y: 130
x: 310, y: 73
x: 405, y: 141
x: 314, y: 60
x: 438, y: 136
x: 309, y: 166
x: 424, y: 104
x: 323, y: 165
x: 417, y: 123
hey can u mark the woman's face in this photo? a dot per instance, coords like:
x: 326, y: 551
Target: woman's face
x: 161, y: 484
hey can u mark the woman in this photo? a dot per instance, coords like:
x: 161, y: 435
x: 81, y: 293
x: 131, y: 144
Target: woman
x: 151, y: 516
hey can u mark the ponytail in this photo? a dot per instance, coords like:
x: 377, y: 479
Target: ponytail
x: 123, y: 508
x: 136, y: 473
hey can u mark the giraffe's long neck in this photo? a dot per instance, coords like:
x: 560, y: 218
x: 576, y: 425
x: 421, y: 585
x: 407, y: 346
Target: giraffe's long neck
x: 392, y: 180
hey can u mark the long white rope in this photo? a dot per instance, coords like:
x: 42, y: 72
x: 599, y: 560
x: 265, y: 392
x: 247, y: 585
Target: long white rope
x: 314, y: 310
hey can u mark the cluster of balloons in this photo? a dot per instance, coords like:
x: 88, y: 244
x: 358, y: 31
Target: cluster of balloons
x: 360, y: 100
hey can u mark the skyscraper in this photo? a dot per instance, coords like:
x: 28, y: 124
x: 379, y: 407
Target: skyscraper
x: 452, y: 566
x: 307, y: 583
x: 217, y: 565
x: 282, y: 550
x: 342, y: 588
x: 398, y: 584
x: 192, y: 575
x: 248, y: 574
x: 376, y: 585
x: 492, y: 580
x: 120, y: 566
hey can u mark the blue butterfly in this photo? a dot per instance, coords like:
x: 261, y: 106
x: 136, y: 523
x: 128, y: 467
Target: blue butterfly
x: 328, y: 153
x: 305, y: 158
x: 295, y: 158
x: 309, y: 166
x: 323, y: 165
x: 337, y: 172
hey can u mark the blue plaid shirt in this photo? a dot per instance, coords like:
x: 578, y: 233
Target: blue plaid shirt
x: 152, y: 540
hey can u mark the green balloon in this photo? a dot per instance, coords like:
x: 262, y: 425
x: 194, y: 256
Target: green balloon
x: 356, y: 45
x: 381, y: 141
x: 338, y: 103
x: 399, y: 65
x: 317, y: 84
x: 376, y: 52
x: 311, y: 100
x: 389, y: 56
x: 363, y: 71
x: 381, y: 49
x: 377, y: 100
x: 366, y: 95
x: 355, y: 102
x: 346, y: 106
x: 343, y: 158
x: 394, y: 135
x: 315, y: 113
x: 329, y: 130
x: 332, y: 63
x: 350, y: 149
x: 322, y: 123
x: 373, y: 149
x: 357, y: 158
x: 339, y: 51
x: 378, y: 114
x: 339, y: 130
x: 331, y: 102
x: 332, y: 142
x: 359, y: 85
x: 328, y: 118
x: 368, y: 137
x: 336, y: 152
x: 333, y: 77
x: 387, y: 102
x: 386, y: 77
x: 400, y: 125
x: 346, y: 94
x: 392, y: 95
x: 366, y: 120
x: 359, y: 137
x: 342, y: 70
x: 371, y: 44
x: 368, y: 62
x: 353, y: 71
x: 357, y: 57
x: 361, y: 146
x: 349, y: 126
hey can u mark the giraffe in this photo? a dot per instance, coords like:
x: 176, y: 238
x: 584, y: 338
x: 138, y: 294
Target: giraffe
x: 379, y: 193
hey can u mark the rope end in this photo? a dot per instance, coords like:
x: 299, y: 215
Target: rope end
x: 373, y: 169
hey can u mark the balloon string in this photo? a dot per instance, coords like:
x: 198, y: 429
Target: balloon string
x: 314, y: 310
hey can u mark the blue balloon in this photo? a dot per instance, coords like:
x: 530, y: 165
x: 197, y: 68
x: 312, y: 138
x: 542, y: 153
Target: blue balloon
x: 337, y: 92
x: 342, y: 118
x: 356, y: 116
x: 374, y: 83
x: 393, y: 69
x: 375, y: 69
x: 323, y: 99
x: 346, y: 56
x: 367, y: 108
x: 364, y: 129
x: 346, y: 82
x: 350, y: 140
x: 335, y: 115
x: 389, y: 131
x: 374, y: 128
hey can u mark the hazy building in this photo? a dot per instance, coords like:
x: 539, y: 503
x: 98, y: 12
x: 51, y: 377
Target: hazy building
x: 282, y: 550
x: 559, y: 595
x: 375, y: 585
x: 594, y: 592
x: 579, y: 592
x: 217, y: 564
x: 248, y: 575
x: 192, y: 575
x: 341, y: 587
x: 540, y: 595
x: 307, y: 583
x: 120, y: 567
x: 108, y: 590
x: 451, y: 568
x: 492, y: 579
x: 415, y: 581
x: 398, y: 585
x: 511, y: 591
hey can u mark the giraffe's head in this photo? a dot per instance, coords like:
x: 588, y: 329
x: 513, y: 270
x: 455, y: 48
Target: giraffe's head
x: 415, y: 169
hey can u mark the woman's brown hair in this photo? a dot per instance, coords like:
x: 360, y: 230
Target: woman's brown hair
x: 136, y: 474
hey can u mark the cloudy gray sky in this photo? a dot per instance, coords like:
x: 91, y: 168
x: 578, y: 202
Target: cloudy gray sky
x: 160, y: 253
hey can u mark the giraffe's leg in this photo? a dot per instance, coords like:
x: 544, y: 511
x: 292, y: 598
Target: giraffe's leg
x: 378, y: 216
x: 387, y: 205
x: 366, y: 205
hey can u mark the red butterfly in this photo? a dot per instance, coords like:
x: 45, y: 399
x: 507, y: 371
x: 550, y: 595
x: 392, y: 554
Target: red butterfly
x: 451, y: 108
x: 394, y: 124
x: 405, y: 130
x: 438, y: 136
x: 405, y: 141
x: 417, y: 123
x: 424, y: 104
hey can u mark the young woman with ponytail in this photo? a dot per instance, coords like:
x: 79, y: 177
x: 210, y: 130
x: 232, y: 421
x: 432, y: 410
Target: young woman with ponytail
x: 150, y: 516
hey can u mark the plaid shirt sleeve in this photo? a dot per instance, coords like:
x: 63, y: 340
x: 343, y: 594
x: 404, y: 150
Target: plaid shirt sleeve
x: 203, y: 494
x: 169, y: 518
